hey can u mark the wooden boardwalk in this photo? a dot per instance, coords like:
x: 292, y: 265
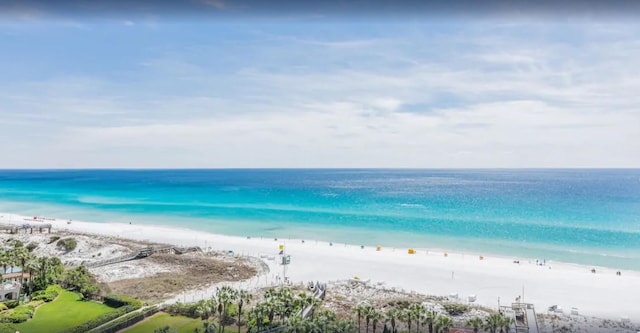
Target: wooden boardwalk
x: 143, y: 253
x: 15, y: 228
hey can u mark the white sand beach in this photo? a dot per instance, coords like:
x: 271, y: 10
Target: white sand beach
x: 492, y: 279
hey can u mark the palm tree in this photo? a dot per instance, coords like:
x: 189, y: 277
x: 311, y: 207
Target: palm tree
x: 226, y: 296
x: 324, y: 320
x: 244, y: 297
x: 368, y: 312
x: 505, y: 324
x: 209, y: 326
x: 297, y: 324
x: 31, y: 266
x: 492, y: 322
x: 443, y: 324
x: 345, y: 326
x: 407, y: 315
x: 206, y: 308
x: 4, y: 260
x: 417, y: 311
x: 430, y: 319
x: 360, y: 310
x: 475, y: 323
x: 392, y: 315
x: 258, y: 313
x: 375, y: 317
x: 21, y: 256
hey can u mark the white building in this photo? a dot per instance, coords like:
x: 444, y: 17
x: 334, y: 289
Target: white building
x: 9, y: 290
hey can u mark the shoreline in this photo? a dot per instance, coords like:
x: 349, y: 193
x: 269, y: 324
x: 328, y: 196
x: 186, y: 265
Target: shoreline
x: 493, y: 279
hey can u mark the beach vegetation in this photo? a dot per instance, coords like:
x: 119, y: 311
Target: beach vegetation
x: 31, y: 246
x: 443, y: 324
x: 68, y: 244
x: 243, y: 298
x: 455, y: 309
x: 493, y: 323
x: 475, y: 324
x: 52, y: 239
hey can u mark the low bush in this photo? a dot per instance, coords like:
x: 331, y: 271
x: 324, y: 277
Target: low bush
x: 69, y: 244
x: 36, y: 304
x: 32, y: 246
x: 44, y: 295
x: 3, y: 307
x: 7, y: 328
x: 18, y: 314
x: 455, y: 309
x: 116, y: 301
x: 180, y: 309
x: 53, y: 239
x: 11, y: 303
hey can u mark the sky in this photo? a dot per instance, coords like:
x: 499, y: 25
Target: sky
x: 316, y: 88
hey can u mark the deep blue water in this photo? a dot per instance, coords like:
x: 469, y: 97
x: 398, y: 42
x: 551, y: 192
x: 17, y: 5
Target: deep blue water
x: 582, y: 216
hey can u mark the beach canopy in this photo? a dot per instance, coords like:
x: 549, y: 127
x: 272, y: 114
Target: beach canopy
x: 411, y: 251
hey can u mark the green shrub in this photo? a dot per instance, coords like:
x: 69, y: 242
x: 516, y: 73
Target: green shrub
x: 19, y: 314
x: 46, y: 296
x: 116, y: 301
x: 80, y: 279
x: 11, y: 303
x: 69, y: 244
x: 455, y: 309
x: 53, y: 239
x: 180, y: 309
x: 7, y: 328
x: 3, y: 307
x: 36, y: 303
x: 32, y: 246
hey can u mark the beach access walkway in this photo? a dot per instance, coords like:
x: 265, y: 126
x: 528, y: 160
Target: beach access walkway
x: 524, y: 316
x: 15, y: 228
x: 143, y: 253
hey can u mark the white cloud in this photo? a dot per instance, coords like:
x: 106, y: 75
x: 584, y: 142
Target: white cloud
x: 510, y: 101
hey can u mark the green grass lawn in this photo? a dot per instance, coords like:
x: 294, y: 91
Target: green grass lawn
x: 65, y: 312
x: 180, y: 323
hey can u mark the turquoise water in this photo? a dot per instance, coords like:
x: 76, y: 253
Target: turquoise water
x: 581, y: 216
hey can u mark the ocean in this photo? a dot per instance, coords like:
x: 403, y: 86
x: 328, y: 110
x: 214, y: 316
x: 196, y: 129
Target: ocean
x: 584, y: 216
